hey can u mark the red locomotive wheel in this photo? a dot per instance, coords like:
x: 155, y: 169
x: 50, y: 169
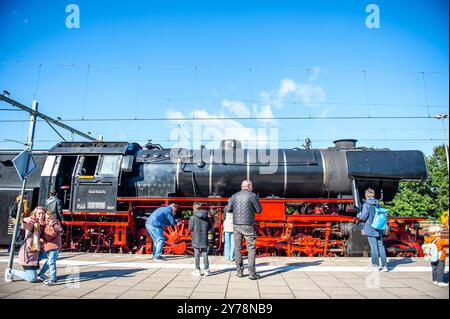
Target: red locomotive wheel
x: 178, y: 239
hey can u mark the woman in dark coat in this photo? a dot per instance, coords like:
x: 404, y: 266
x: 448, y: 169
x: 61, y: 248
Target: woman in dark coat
x: 199, y: 225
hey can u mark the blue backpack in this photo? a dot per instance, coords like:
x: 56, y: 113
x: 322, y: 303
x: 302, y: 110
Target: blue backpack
x: 380, y: 219
x: 430, y: 252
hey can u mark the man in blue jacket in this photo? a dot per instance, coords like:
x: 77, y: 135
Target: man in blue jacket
x: 155, y: 224
x: 374, y: 236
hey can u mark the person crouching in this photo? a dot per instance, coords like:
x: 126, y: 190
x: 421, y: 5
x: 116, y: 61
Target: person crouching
x: 199, y: 225
x: 29, y: 251
x: 52, y: 245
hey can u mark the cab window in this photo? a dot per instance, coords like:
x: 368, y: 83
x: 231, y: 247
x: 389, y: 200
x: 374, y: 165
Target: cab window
x: 89, y: 165
x: 110, y: 165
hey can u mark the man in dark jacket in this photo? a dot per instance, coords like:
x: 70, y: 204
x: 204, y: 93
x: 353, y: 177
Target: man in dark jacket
x: 54, y: 204
x: 374, y: 236
x: 243, y: 205
x: 199, y: 225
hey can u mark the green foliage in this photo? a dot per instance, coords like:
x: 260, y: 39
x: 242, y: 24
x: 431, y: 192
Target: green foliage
x: 429, y: 198
x: 187, y: 213
x: 291, y: 209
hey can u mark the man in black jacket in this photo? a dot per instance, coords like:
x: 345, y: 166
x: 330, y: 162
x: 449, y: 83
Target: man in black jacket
x: 243, y: 205
x: 54, y: 204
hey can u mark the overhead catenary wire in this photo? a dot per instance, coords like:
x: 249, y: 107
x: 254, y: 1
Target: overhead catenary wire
x: 228, y: 67
x: 196, y: 99
x: 180, y: 119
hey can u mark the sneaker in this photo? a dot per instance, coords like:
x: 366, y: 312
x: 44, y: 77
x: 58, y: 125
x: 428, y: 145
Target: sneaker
x: 48, y: 282
x: 41, y: 278
x: 159, y: 259
x: 207, y: 272
x: 372, y: 268
x: 239, y: 274
x: 442, y: 284
x: 254, y: 277
x: 435, y: 282
x: 384, y: 269
x: 196, y: 272
x: 9, y: 277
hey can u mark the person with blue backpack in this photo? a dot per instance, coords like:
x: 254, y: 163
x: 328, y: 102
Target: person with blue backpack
x: 434, y: 248
x: 375, y: 221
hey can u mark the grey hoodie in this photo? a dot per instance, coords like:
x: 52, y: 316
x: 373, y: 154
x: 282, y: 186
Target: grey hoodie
x: 199, y: 225
x: 54, y: 204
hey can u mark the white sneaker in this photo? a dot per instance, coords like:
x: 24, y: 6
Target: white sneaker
x: 207, y: 272
x: 435, y: 282
x: 9, y: 277
x: 442, y: 284
x: 372, y: 268
x: 384, y: 269
x: 196, y: 273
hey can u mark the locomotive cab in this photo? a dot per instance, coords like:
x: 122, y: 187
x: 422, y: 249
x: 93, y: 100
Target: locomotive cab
x: 86, y: 176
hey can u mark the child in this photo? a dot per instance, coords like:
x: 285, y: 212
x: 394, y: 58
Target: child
x: 52, y: 245
x: 29, y: 252
x: 199, y: 225
x: 438, y: 267
x: 229, y: 253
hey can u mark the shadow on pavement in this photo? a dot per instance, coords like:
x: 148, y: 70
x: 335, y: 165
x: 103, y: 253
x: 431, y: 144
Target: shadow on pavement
x: 233, y: 268
x: 288, y: 267
x: 396, y: 262
x: 93, y: 275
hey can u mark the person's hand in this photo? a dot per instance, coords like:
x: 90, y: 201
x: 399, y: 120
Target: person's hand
x: 27, y: 220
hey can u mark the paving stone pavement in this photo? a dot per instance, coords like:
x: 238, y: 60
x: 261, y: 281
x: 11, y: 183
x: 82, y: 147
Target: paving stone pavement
x: 86, y: 276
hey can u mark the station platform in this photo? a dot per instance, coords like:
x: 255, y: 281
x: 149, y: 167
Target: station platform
x: 88, y: 275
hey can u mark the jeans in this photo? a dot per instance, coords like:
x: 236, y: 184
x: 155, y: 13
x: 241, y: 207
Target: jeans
x: 437, y: 271
x: 204, y: 252
x: 377, y: 251
x: 51, y: 256
x: 229, y: 252
x: 28, y: 275
x: 249, y: 234
x: 157, y: 234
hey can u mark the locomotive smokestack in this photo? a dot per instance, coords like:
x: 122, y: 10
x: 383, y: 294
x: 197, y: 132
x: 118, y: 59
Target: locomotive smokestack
x: 345, y: 144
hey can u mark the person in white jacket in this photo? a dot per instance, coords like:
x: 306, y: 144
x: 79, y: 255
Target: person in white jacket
x: 229, y: 253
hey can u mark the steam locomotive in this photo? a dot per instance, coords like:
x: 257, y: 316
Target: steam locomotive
x: 310, y: 197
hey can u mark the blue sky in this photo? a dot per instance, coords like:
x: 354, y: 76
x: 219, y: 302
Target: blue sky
x: 221, y: 60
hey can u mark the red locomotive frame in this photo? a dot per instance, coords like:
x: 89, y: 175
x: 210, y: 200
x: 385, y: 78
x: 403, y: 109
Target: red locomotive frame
x: 316, y: 230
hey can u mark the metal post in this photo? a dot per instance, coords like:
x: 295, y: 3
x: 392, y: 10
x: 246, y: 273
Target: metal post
x: 31, y: 130
x: 445, y: 144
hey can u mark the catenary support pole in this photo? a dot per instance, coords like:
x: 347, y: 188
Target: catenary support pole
x: 31, y: 130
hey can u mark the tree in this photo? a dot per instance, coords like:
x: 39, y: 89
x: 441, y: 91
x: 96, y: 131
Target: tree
x: 426, y: 199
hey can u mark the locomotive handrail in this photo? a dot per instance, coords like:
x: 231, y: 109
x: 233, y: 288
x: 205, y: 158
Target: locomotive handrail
x: 292, y: 201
